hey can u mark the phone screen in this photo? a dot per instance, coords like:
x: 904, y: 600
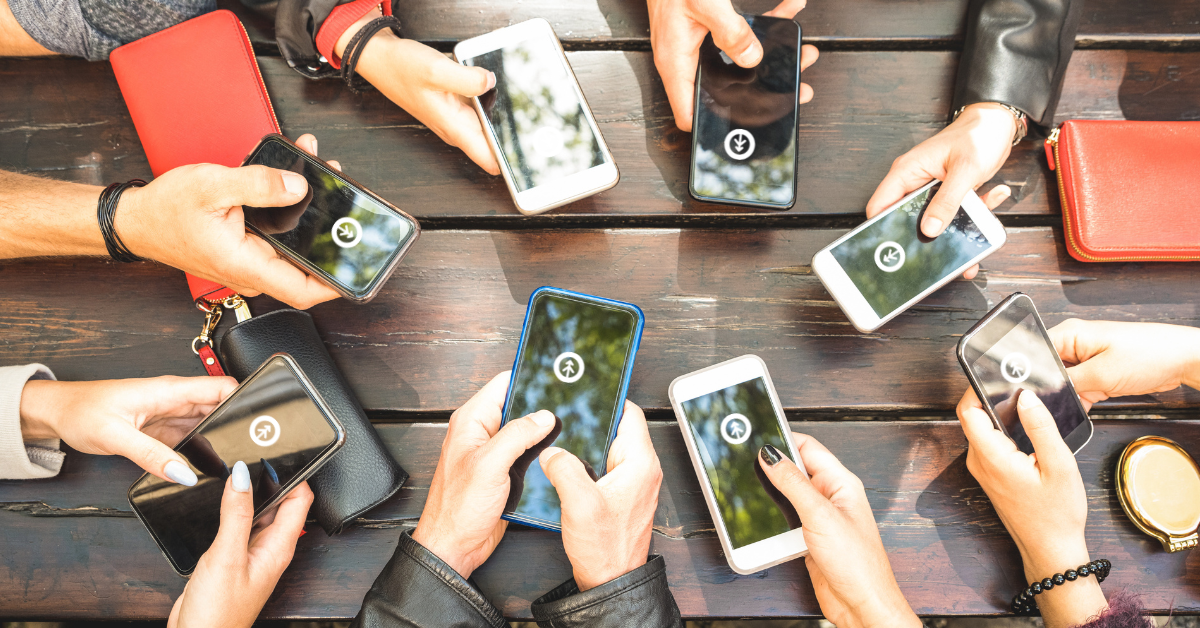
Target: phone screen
x: 1022, y: 357
x: 744, y: 143
x: 270, y: 423
x: 536, y: 114
x: 337, y: 228
x: 729, y: 427
x: 891, y: 263
x: 574, y: 361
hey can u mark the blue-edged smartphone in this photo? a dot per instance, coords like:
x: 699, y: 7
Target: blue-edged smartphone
x: 575, y: 359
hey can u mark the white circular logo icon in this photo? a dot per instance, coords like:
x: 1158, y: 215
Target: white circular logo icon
x: 547, y: 142
x: 568, y: 367
x: 889, y: 256
x: 739, y: 144
x: 735, y: 429
x: 264, y: 431
x: 1015, y: 367
x: 347, y: 232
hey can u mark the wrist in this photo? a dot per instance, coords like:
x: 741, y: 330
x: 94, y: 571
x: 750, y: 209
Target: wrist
x: 39, y: 417
x: 444, y: 549
x: 1003, y: 118
x: 1191, y: 368
x: 590, y: 579
x: 129, y: 225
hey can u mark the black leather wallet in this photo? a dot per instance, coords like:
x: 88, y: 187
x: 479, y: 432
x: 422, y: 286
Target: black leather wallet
x: 360, y: 476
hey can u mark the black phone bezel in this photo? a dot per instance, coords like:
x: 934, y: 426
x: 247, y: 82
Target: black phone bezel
x: 357, y: 296
x: 795, y: 134
x: 1010, y: 312
x: 303, y: 476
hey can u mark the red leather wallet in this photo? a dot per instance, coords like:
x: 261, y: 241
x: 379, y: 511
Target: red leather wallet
x: 196, y: 95
x: 1130, y: 191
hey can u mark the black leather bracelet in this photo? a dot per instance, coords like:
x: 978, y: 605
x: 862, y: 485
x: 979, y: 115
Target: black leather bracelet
x: 106, y: 215
x: 358, y: 43
x: 1023, y: 604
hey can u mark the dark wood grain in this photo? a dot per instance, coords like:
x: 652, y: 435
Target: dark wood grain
x: 450, y: 318
x: 861, y: 24
x: 73, y: 538
x: 65, y: 118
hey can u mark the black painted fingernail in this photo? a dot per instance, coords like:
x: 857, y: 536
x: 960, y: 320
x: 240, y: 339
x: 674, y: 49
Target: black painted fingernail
x: 770, y: 455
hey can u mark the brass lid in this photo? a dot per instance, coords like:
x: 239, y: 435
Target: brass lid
x: 1158, y: 484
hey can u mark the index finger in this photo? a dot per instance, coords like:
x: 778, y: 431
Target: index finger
x: 905, y: 176
x: 278, y: 540
x: 487, y: 405
x: 978, y: 427
x: 263, y: 270
x: 633, y: 438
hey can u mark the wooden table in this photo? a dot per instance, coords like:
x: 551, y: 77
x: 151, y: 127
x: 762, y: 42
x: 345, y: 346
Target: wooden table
x: 715, y: 282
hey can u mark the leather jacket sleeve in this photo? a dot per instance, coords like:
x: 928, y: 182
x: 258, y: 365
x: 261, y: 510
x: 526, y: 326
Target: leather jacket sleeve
x: 417, y: 590
x: 297, y: 23
x: 639, y: 598
x: 1016, y: 52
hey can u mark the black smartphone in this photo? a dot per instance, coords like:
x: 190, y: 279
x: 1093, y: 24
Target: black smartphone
x: 341, y: 233
x: 575, y: 359
x: 275, y: 422
x: 744, y: 125
x: 1008, y: 351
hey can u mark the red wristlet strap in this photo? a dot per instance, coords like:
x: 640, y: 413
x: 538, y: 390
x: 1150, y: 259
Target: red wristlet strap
x: 341, y: 18
x: 208, y: 296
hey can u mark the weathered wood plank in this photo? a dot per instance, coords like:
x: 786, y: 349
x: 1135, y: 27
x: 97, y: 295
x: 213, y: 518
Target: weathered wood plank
x: 449, y: 319
x: 950, y: 553
x: 65, y: 118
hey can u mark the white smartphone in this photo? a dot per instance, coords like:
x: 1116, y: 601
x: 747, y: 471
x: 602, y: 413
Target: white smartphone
x: 886, y: 265
x: 727, y: 412
x: 536, y: 119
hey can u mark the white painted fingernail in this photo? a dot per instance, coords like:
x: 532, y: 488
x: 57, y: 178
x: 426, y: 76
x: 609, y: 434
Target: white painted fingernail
x: 294, y: 183
x: 180, y: 473
x: 241, y: 477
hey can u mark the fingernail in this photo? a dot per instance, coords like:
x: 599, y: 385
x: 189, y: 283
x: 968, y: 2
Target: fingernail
x: 1005, y: 191
x: 294, y: 183
x: 314, y: 146
x: 180, y: 473
x: 241, y: 477
x: 1028, y: 400
x: 543, y: 418
x: 770, y: 455
x: 933, y: 226
x: 491, y: 80
x: 751, y: 54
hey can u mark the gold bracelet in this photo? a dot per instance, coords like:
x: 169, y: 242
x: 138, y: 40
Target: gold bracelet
x: 1021, y: 118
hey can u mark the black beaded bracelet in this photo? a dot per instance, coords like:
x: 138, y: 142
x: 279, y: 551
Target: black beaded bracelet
x: 106, y: 215
x: 356, y: 46
x: 1023, y: 604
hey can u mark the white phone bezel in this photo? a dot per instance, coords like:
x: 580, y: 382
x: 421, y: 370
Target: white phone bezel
x: 567, y: 189
x: 767, y: 552
x: 851, y: 300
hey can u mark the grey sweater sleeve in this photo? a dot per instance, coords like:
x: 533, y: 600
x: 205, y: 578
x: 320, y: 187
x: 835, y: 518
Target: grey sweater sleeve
x: 21, y: 460
x: 94, y: 28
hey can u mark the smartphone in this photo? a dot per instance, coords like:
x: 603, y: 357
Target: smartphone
x: 1008, y: 351
x: 744, y: 126
x: 275, y: 422
x: 886, y: 265
x: 343, y: 234
x: 536, y: 119
x: 727, y: 412
x: 575, y: 358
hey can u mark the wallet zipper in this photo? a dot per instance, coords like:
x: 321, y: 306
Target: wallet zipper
x: 1056, y: 166
x: 258, y: 72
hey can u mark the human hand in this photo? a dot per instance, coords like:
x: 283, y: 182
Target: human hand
x: 191, y: 218
x: 606, y: 524
x: 846, y: 559
x: 678, y: 27
x: 1040, y: 499
x: 964, y: 155
x: 140, y: 419
x: 429, y: 86
x: 461, y: 521
x: 234, y: 578
x: 1118, y: 359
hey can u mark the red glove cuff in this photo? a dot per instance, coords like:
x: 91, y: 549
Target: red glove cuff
x: 341, y: 18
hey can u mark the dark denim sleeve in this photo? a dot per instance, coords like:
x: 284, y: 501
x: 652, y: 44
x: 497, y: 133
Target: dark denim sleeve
x: 1016, y: 52
x: 639, y: 598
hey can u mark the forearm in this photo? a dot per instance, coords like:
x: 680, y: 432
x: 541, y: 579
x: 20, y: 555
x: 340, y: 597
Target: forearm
x: 1071, y: 603
x: 14, y: 41
x: 43, y: 217
x: 1016, y: 52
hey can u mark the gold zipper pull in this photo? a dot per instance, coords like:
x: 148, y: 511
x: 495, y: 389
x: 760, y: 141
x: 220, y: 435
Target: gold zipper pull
x: 1052, y: 148
x: 240, y: 309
